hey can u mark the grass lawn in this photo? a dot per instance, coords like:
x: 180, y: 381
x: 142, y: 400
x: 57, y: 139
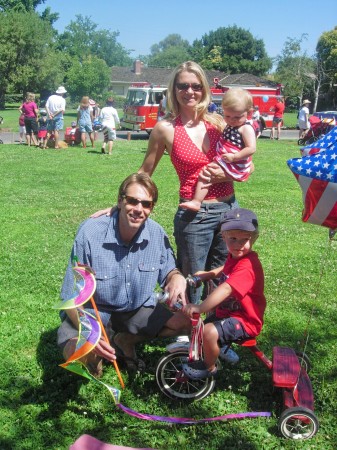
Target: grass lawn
x: 45, y: 195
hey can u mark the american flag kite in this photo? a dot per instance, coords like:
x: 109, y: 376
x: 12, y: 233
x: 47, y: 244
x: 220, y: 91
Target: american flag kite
x: 317, y: 176
x: 327, y: 141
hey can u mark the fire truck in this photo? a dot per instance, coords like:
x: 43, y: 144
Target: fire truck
x: 141, y: 106
x: 263, y: 96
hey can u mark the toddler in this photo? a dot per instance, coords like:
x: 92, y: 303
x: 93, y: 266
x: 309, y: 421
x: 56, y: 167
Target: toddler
x: 236, y: 145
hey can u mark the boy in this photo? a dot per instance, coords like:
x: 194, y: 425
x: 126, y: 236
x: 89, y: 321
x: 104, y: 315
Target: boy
x: 239, y: 301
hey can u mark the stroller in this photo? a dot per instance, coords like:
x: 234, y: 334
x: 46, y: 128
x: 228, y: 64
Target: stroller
x: 318, y: 128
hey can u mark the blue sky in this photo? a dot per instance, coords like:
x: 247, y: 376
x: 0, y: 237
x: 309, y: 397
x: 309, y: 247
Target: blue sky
x: 144, y: 23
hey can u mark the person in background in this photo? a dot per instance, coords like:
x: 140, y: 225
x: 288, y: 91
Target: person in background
x: 278, y: 110
x: 42, y: 123
x: 30, y: 111
x: 212, y: 108
x: 162, y: 106
x: 303, y: 119
x: 22, y: 128
x: 84, y: 120
x: 55, y: 107
x: 110, y: 120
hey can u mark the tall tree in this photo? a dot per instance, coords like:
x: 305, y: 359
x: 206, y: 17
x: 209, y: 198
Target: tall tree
x: 232, y: 50
x: 296, y: 71
x: 327, y: 59
x: 169, y: 52
x: 88, y: 77
x: 28, y: 6
x: 82, y: 38
x: 28, y: 60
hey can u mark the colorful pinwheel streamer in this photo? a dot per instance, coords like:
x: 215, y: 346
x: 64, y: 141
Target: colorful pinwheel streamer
x: 90, y: 329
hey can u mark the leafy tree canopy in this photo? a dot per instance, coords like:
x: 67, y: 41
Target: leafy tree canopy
x: 82, y: 38
x: 327, y: 57
x: 232, y: 50
x: 88, y: 77
x: 169, y: 52
x: 20, y: 5
x: 28, y: 60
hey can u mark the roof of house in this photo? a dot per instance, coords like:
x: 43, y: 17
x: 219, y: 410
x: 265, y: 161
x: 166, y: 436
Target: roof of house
x: 157, y: 75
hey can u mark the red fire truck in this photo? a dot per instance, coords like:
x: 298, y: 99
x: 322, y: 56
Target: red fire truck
x: 141, y: 106
x: 142, y: 102
x: 263, y: 96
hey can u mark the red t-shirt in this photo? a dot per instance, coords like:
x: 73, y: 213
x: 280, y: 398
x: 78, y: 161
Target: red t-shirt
x: 279, y: 109
x: 248, y: 303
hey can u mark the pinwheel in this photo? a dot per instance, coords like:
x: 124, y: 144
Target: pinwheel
x: 90, y: 327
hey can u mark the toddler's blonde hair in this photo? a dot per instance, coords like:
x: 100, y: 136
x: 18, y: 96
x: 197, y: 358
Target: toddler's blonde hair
x: 237, y: 99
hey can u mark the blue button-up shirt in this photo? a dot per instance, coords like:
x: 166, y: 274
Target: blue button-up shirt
x: 126, y: 275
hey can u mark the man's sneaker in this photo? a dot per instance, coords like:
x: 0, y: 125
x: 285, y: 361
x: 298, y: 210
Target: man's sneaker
x: 181, y: 343
x: 228, y: 355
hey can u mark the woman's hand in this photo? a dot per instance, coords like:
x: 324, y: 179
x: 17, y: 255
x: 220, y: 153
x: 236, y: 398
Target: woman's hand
x: 213, y: 174
x: 108, y: 212
x: 191, y: 309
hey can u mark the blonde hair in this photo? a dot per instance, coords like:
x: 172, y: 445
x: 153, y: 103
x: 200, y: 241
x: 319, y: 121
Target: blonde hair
x: 237, y: 98
x: 202, y: 107
x: 30, y: 97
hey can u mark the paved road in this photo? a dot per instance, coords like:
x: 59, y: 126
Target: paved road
x: 12, y: 138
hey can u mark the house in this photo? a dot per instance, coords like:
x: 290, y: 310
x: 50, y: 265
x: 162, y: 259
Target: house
x: 123, y: 77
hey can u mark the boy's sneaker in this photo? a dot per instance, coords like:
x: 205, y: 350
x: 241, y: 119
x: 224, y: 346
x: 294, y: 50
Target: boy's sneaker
x: 182, y: 342
x: 228, y: 355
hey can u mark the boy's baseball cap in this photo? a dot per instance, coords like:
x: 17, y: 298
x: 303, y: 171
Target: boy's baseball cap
x: 239, y: 219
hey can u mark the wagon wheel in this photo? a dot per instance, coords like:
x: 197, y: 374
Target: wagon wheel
x: 298, y: 423
x: 175, y: 384
x: 301, y: 142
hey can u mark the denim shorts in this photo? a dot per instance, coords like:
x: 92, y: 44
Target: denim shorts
x: 229, y: 329
x: 109, y: 134
x: 55, y: 124
x: 198, y: 238
x: 85, y: 127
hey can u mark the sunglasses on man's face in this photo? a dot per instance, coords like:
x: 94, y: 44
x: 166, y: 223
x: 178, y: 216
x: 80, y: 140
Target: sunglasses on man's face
x: 196, y: 87
x: 147, y: 204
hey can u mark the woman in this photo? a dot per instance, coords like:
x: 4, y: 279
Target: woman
x: 30, y: 111
x: 84, y: 121
x: 278, y: 110
x: 190, y: 136
x: 303, y: 119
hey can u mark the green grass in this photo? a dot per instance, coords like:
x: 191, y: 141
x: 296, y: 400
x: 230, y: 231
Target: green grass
x: 45, y: 195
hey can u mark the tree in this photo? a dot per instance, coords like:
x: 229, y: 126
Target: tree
x: 296, y: 72
x: 88, y: 77
x: 169, y: 52
x: 28, y: 6
x: 82, y: 39
x: 232, y: 50
x: 28, y: 60
x: 327, y: 59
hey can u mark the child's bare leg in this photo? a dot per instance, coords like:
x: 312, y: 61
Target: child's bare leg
x: 210, y: 345
x: 110, y: 145
x: 84, y: 139
x: 92, y: 139
x: 199, y: 195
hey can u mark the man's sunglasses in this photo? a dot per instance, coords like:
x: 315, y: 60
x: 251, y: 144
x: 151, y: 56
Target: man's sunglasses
x: 196, y: 87
x: 147, y: 204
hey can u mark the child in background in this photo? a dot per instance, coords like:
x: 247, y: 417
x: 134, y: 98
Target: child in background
x: 72, y: 132
x: 238, y: 301
x: 42, y: 133
x: 236, y: 146
x: 84, y: 120
x: 22, y: 128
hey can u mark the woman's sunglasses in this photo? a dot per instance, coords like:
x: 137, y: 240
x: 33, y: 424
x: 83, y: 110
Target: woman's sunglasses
x: 196, y: 87
x: 147, y: 204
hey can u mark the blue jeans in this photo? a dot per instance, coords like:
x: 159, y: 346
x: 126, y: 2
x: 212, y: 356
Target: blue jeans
x: 198, y: 238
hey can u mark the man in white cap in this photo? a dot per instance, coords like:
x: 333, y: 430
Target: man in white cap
x: 55, y: 107
x: 303, y: 118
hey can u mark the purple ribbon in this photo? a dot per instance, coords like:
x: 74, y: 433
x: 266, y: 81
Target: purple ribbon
x: 188, y: 421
